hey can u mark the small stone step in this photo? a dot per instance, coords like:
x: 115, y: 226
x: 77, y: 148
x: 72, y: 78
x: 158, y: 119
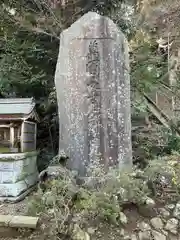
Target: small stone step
x: 18, y: 221
x: 23, y: 222
x: 4, y: 220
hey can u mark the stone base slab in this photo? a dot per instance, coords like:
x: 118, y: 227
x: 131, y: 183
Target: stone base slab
x: 18, y: 198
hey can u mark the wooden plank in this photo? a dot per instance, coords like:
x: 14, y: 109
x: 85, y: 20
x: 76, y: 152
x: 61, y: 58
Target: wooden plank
x: 28, y: 140
x: 160, y: 115
x: 19, y: 132
x: 12, y: 136
x: 22, y: 137
x: 5, y: 126
x: 157, y: 110
x: 28, y: 137
x: 18, y: 221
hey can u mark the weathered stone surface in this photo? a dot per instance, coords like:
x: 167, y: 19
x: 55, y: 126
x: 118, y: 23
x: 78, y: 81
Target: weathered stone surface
x: 176, y: 212
x: 4, y: 220
x: 123, y: 218
x: 157, y: 235
x: 157, y: 223
x: 93, y: 93
x: 122, y: 232
x: 144, y: 235
x: 143, y: 226
x: 91, y: 230
x: 24, y: 222
x: 133, y: 237
x: 17, y: 174
x: 170, y: 207
x: 164, y: 213
x: 150, y: 202
x: 172, y: 225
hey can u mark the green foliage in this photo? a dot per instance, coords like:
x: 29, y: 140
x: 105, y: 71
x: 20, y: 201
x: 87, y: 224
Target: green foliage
x: 21, y: 69
x: 28, y: 61
x: 24, y: 49
x: 64, y: 203
x: 147, y: 65
x: 104, y: 202
x: 140, y: 107
x: 164, y: 172
x: 172, y: 142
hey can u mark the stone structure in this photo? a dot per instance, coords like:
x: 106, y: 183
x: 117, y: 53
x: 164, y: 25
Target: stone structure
x: 18, y: 174
x: 18, y: 155
x: 93, y: 92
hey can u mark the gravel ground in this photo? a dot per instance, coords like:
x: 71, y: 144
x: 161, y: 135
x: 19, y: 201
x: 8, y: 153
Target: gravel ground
x: 19, y: 208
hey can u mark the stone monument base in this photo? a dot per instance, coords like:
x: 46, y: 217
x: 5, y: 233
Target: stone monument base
x: 18, y: 175
x: 20, y: 197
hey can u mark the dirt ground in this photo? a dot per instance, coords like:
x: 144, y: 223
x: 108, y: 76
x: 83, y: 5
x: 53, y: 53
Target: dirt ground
x: 105, y: 231
x: 12, y: 209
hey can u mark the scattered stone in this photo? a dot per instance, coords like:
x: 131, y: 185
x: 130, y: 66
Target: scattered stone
x: 157, y: 223
x: 122, y: 232
x: 176, y: 212
x: 91, y: 230
x: 170, y: 207
x: 122, y: 193
x: 157, y: 235
x: 123, y: 218
x: 112, y: 236
x: 143, y: 226
x: 150, y: 202
x: 144, y: 235
x: 164, y: 181
x: 172, y: 225
x: 99, y: 234
x: 79, y: 234
x: 127, y: 237
x: 164, y: 213
x: 133, y: 237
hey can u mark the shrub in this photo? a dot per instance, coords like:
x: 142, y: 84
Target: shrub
x: 103, y: 195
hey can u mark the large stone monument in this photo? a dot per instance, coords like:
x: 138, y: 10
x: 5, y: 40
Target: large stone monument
x: 93, y: 93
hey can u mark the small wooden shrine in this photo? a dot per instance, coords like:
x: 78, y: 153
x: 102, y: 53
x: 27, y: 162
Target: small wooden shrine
x: 18, y: 120
x: 18, y: 155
